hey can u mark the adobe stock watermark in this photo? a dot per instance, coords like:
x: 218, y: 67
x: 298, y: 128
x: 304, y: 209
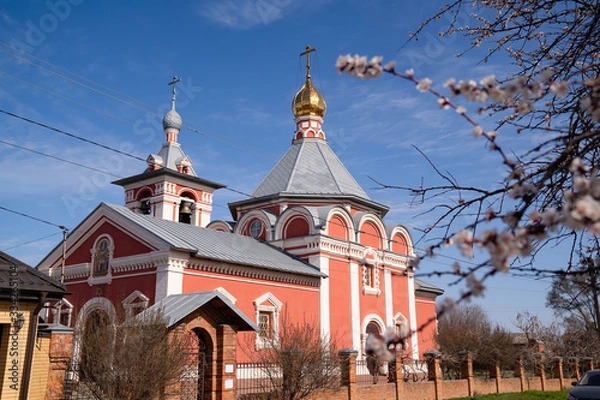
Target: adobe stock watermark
x: 16, y: 318
x: 91, y: 185
x: 37, y: 31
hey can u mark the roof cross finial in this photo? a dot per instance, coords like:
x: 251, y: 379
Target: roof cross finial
x: 174, y: 83
x: 307, y: 54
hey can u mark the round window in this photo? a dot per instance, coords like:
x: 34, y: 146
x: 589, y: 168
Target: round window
x: 255, y: 228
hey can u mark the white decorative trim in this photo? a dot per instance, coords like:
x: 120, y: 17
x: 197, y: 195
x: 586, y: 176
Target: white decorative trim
x: 363, y: 329
x: 360, y: 218
x: 345, y: 215
x: 412, y: 310
x: 225, y: 293
x: 267, y: 218
x: 370, y: 266
x: 389, y: 296
x: 105, y: 278
x: 169, y: 277
x: 355, y: 305
x: 135, y: 300
x: 274, y: 309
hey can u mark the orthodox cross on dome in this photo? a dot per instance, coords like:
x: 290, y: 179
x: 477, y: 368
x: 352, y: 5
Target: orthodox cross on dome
x: 174, y: 83
x: 307, y: 54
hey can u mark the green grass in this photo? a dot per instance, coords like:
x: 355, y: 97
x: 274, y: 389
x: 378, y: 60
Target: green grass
x: 529, y: 395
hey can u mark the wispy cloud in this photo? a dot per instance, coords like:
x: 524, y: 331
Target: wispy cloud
x: 245, y: 14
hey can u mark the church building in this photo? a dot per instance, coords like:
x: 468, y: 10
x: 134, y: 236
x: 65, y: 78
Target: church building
x: 308, y: 243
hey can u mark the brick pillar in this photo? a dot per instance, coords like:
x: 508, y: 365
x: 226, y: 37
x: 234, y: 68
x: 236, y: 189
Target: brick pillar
x: 348, y: 369
x: 226, y: 376
x: 59, y: 354
x: 558, y: 373
x: 466, y: 370
x: 520, y: 372
x: 540, y: 370
x: 434, y: 371
x: 574, y: 361
x: 587, y: 363
x: 495, y: 373
x: 398, y: 375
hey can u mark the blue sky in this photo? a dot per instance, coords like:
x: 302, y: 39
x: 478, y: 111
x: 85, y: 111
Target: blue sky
x: 240, y: 67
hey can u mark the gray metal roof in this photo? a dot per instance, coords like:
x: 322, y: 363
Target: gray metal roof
x: 221, y: 246
x: 428, y: 287
x: 178, y: 306
x: 30, y: 282
x: 171, y: 155
x: 309, y: 167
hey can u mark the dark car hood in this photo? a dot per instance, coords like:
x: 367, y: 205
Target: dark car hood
x: 586, y: 392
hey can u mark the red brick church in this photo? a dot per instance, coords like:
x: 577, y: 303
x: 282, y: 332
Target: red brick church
x: 308, y: 242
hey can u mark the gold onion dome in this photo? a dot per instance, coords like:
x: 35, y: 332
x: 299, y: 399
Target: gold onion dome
x: 308, y: 101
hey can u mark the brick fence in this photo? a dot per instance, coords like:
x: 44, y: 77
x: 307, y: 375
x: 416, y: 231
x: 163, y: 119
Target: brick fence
x: 433, y: 387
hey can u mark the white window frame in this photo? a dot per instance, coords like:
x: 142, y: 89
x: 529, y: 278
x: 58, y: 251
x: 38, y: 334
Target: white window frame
x: 136, y: 300
x: 274, y: 309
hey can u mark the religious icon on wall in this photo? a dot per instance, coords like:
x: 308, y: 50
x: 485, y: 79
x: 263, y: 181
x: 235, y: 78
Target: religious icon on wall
x: 101, y: 257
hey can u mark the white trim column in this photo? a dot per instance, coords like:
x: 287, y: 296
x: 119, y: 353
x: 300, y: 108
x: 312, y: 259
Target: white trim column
x: 412, y: 317
x: 169, y: 278
x: 389, y: 296
x: 355, y: 281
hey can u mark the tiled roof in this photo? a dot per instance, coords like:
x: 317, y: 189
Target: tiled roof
x: 309, y: 167
x: 30, y: 281
x: 178, y: 306
x: 221, y: 246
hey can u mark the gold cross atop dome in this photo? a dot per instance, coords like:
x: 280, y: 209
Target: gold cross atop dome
x: 308, y: 100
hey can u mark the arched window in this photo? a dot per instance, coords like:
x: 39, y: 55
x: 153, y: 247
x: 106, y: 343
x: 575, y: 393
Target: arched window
x: 370, y: 235
x: 337, y: 227
x: 296, y: 227
x: 399, y: 244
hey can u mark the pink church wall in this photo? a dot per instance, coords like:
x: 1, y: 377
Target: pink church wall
x: 425, y: 312
x: 339, y: 301
x: 125, y: 245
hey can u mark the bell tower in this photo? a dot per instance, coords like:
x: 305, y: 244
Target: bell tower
x: 169, y: 187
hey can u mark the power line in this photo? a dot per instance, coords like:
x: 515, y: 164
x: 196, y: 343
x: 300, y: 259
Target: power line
x: 70, y: 73
x: 59, y: 159
x: 32, y: 217
x: 227, y: 140
x: 29, y: 242
x: 72, y: 135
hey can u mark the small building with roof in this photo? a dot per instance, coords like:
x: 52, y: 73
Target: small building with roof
x: 32, y: 355
x: 308, y: 243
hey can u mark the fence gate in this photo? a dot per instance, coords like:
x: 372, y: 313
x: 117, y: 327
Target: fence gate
x: 194, y: 385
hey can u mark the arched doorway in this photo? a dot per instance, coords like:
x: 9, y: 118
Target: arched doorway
x: 196, y: 382
x: 373, y: 363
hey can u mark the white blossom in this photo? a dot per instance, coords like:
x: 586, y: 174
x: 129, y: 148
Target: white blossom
x: 560, y: 89
x: 424, y: 84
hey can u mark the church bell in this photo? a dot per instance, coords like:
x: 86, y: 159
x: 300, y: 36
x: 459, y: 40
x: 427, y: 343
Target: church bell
x: 185, y: 208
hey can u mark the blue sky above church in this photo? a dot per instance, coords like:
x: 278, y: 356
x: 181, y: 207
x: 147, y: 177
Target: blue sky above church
x: 100, y: 70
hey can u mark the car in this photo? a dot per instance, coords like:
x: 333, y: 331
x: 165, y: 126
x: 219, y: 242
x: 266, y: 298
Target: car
x: 588, y: 387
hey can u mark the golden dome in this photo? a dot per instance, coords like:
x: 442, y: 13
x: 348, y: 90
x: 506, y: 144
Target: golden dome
x: 308, y: 101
